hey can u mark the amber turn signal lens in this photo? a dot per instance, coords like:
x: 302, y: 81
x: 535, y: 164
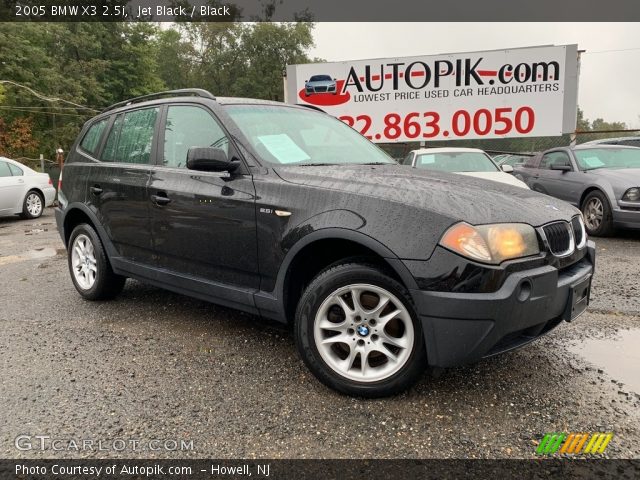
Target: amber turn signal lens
x: 467, y: 241
x: 491, y: 243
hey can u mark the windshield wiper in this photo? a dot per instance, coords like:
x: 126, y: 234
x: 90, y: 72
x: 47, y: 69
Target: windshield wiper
x: 377, y: 163
x: 312, y: 164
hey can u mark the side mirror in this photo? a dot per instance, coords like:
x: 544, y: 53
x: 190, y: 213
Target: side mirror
x: 209, y: 159
x: 507, y: 168
x: 334, y: 80
x: 562, y: 168
x: 306, y: 81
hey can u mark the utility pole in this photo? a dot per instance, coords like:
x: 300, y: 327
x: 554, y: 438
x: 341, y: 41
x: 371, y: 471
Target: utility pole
x: 60, y: 157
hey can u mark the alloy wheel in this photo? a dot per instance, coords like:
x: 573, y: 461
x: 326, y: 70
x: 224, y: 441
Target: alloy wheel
x: 34, y: 204
x: 83, y: 262
x: 593, y: 213
x: 364, y: 333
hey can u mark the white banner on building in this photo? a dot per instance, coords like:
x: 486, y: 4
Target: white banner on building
x: 522, y: 92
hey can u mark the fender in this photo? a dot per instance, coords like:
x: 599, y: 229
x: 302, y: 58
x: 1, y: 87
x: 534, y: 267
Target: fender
x: 271, y: 305
x: 605, y: 188
x: 102, y: 234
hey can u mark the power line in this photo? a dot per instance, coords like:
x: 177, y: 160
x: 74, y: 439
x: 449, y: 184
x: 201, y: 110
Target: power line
x: 30, y: 107
x: 45, y: 113
x: 41, y: 96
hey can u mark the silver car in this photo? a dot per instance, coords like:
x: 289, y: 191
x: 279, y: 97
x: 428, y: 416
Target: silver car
x: 602, y: 180
x: 320, y: 84
x: 23, y: 191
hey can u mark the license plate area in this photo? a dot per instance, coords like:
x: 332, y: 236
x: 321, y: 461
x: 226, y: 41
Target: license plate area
x: 579, y: 293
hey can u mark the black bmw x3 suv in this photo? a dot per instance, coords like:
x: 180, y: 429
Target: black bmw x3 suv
x: 287, y: 213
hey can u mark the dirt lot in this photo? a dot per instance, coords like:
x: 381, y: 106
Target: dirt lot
x: 152, y: 365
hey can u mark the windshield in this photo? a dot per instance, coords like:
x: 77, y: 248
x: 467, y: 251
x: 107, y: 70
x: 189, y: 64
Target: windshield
x: 593, y: 158
x: 320, y: 78
x: 294, y: 136
x: 456, y: 162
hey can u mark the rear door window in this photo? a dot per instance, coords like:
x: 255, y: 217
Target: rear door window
x: 4, y: 169
x: 131, y: 137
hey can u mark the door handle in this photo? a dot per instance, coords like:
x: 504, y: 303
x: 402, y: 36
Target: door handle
x: 96, y: 190
x: 160, y: 199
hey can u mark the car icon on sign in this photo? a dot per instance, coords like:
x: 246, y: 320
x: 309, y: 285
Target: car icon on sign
x: 320, y: 84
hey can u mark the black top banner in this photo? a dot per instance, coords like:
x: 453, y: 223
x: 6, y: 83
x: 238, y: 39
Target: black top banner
x: 322, y: 10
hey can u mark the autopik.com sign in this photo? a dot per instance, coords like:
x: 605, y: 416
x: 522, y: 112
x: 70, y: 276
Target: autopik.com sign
x: 494, y: 94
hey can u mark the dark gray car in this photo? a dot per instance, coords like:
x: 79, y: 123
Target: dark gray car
x: 602, y: 180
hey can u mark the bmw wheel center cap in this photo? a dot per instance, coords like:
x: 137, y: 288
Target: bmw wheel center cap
x: 363, y: 330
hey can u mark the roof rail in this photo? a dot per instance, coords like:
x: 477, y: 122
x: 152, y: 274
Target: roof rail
x: 195, y: 92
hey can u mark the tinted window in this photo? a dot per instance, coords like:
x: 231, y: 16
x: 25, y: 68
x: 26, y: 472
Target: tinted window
x: 554, y: 158
x: 131, y: 136
x: 91, y: 139
x: 190, y: 127
x: 16, y: 171
x: 631, y: 143
x: 4, y: 169
x: 320, y: 78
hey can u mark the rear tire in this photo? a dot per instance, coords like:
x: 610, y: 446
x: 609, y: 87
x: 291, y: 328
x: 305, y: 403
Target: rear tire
x: 380, y: 328
x: 89, y: 266
x: 32, y: 205
x: 596, y: 211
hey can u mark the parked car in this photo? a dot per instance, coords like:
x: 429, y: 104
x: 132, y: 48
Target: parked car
x: 602, y: 180
x: 320, y: 84
x: 466, y: 161
x: 287, y: 213
x: 510, y: 159
x: 626, y: 141
x: 23, y: 191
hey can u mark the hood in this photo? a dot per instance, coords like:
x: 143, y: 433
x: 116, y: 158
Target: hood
x: 623, y: 177
x: 458, y: 197
x: 501, y: 177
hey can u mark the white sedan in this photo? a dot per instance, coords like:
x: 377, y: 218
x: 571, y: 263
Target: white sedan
x: 466, y: 161
x: 23, y: 191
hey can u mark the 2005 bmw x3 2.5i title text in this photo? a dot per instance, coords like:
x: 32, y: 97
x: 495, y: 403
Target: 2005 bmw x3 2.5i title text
x: 286, y: 212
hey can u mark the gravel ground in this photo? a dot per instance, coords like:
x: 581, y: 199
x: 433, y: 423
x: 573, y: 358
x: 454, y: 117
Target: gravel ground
x: 155, y: 365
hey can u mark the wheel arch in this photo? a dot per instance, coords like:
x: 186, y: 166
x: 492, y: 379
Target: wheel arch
x: 324, y: 247
x: 77, y: 213
x: 590, y: 189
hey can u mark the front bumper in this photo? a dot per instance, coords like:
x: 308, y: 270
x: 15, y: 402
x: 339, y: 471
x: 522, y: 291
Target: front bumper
x: 465, y: 327
x: 626, y: 218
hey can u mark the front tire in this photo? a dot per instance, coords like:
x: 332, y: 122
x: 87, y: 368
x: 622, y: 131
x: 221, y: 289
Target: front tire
x: 89, y: 266
x: 357, y: 330
x: 32, y: 205
x: 596, y: 212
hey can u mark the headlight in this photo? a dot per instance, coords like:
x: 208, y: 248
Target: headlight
x: 632, y: 195
x: 491, y: 243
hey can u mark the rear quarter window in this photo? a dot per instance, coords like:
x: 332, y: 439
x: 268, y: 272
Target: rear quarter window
x: 15, y: 171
